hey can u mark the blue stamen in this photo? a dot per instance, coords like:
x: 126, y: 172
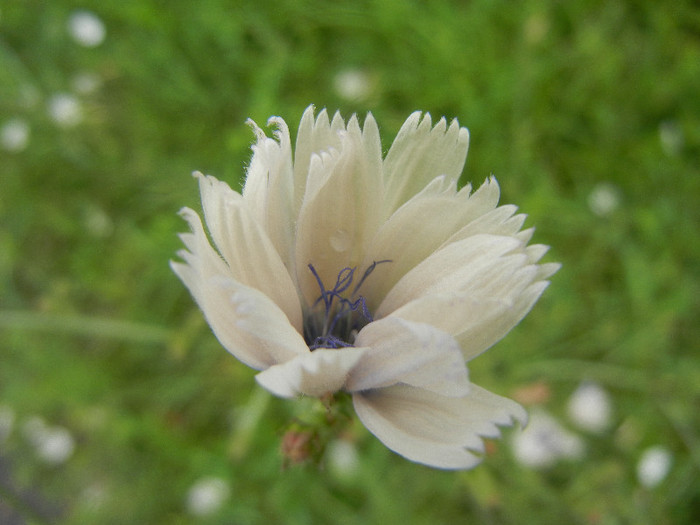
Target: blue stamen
x: 368, y: 271
x: 344, y: 312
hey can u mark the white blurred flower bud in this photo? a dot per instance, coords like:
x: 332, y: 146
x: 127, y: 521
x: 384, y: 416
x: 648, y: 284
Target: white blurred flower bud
x: 207, y: 496
x: 590, y: 408
x: 14, y: 135
x: 56, y: 445
x: 342, y: 458
x: 53, y: 445
x: 86, y: 28
x: 352, y: 84
x: 65, y: 110
x: 544, y: 441
x: 654, y: 466
x: 604, y: 199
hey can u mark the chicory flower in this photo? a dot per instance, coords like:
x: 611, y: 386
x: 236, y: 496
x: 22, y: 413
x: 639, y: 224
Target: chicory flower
x: 340, y: 269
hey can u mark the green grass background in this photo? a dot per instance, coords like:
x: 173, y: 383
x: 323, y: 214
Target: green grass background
x: 97, y: 334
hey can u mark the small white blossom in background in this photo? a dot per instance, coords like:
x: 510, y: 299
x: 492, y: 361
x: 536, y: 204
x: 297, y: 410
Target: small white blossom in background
x: 352, y: 84
x: 52, y: 444
x: 590, y: 407
x: 86, y: 28
x: 86, y: 83
x: 653, y: 466
x: 14, y: 135
x: 604, y: 199
x: 97, y: 222
x: 65, y: 110
x: 544, y: 441
x: 7, y: 422
x: 671, y: 137
x: 342, y: 458
x: 207, y: 496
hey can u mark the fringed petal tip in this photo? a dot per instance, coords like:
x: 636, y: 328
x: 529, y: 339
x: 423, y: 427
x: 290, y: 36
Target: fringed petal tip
x: 463, y: 135
x: 435, y: 430
x: 186, y: 213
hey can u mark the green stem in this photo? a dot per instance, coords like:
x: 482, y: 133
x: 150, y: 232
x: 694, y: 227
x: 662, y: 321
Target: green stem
x: 83, y: 326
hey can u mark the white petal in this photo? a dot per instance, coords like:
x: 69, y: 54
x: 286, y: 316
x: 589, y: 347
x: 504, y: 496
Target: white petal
x: 411, y: 353
x: 320, y: 372
x: 432, y: 429
x: 339, y: 211
x: 480, y: 309
x: 547, y: 270
x: 246, y: 321
x: 421, y: 226
x: 455, y: 312
x: 478, y: 338
x: 245, y: 246
x: 314, y: 136
x: 499, y: 221
x: 269, y: 187
x: 419, y: 154
x: 474, y: 264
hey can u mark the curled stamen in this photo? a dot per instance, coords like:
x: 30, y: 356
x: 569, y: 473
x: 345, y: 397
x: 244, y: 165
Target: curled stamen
x: 320, y: 285
x: 342, y: 319
x: 368, y: 271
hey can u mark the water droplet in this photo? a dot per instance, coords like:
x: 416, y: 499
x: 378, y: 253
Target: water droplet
x: 340, y: 240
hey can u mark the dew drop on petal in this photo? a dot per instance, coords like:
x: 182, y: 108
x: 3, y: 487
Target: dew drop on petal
x: 340, y: 240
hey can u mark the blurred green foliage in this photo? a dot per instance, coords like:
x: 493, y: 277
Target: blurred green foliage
x: 97, y: 335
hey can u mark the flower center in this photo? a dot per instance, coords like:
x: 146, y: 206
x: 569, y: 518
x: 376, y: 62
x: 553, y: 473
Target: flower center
x: 338, y: 314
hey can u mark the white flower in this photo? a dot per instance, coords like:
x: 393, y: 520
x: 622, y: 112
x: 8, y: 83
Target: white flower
x: 604, y: 199
x: 342, y: 458
x: 14, y: 135
x: 590, y: 408
x: 54, y: 445
x: 343, y: 270
x: 86, y: 28
x: 65, y: 110
x: 352, y: 84
x: 654, y: 466
x: 544, y: 442
x: 207, y: 496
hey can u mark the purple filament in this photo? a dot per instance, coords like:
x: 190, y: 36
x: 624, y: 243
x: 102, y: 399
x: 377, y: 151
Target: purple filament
x: 345, y: 311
